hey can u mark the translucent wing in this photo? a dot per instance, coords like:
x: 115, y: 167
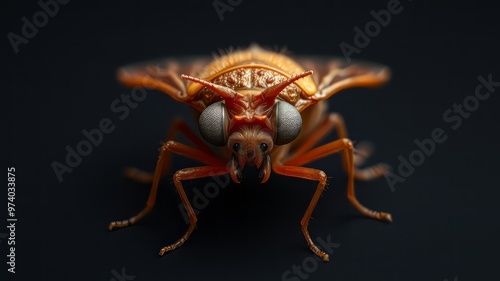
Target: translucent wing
x: 335, y: 74
x: 163, y: 75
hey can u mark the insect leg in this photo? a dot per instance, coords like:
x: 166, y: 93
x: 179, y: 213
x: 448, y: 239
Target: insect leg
x: 188, y: 174
x: 152, y: 195
x: 330, y: 123
x: 164, y: 158
x: 310, y: 174
x: 177, y: 126
x: 334, y: 121
x: 344, y: 145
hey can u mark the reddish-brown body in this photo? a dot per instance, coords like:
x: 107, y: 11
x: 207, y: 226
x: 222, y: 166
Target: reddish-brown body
x: 254, y: 103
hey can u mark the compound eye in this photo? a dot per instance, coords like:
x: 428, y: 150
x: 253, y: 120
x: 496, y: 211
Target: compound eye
x: 212, y: 124
x: 288, y: 122
x: 263, y: 147
x: 236, y: 147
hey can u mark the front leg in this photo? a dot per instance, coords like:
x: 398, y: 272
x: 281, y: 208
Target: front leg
x: 310, y: 174
x: 189, y: 174
x: 164, y: 159
x: 293, y: 168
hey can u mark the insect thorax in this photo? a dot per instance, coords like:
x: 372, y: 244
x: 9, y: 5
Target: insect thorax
x: 251, y: 77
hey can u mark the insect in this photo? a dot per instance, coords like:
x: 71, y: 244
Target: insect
x: 262, y: 109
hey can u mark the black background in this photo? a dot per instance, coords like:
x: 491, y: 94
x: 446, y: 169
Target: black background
x: 63, y: 81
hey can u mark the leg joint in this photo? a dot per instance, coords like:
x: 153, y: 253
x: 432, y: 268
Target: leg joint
x: 322, y: 177
x: 335, y: 118
x: 177, y: 176
x: 168, y: 145
x: 348, y: 143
